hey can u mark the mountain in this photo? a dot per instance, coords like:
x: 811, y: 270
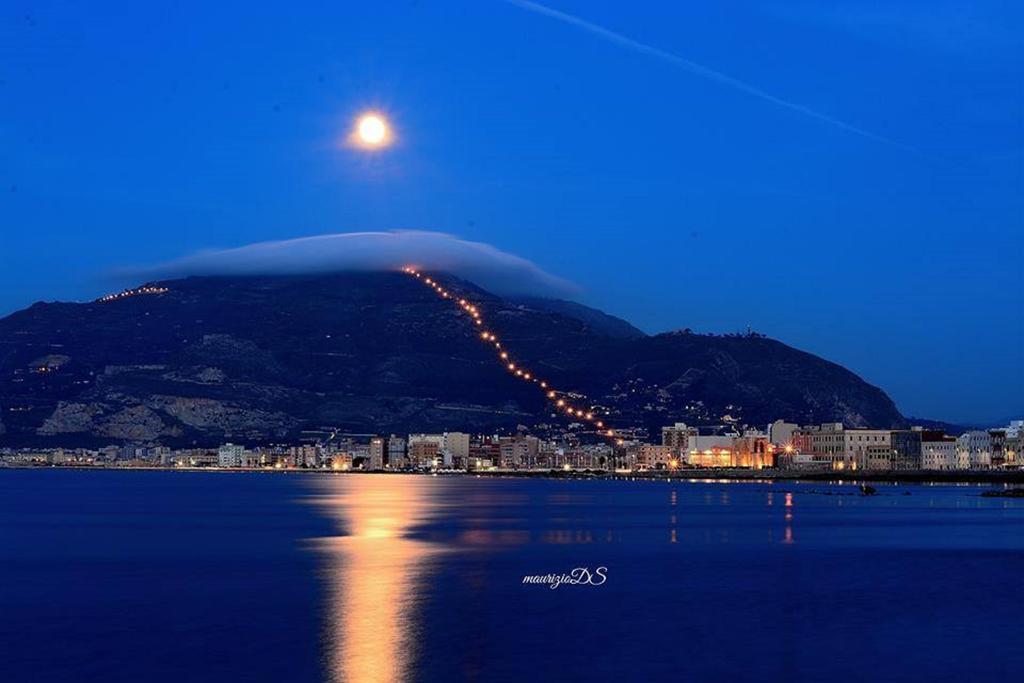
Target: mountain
x: 599, y: 321
x: 203, y: 359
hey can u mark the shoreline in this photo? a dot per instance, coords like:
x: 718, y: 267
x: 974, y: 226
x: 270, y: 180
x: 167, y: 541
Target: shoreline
x: 909, y: 477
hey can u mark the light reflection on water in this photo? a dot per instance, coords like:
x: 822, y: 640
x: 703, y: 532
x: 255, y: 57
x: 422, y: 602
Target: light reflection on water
x: 401, y: 538
x: 130, y: 576
x: 375, y: 570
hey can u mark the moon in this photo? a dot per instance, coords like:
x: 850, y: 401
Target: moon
x: 372, y: 131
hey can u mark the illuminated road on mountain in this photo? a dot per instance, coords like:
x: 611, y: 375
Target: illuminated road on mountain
x: 505, y: 357
x: 138, y: 291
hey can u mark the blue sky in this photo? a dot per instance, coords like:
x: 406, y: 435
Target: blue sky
x: 135, y: 133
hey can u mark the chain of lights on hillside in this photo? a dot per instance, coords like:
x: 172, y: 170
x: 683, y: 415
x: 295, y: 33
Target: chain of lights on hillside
x: 138, y: 291
x: 488, y: 337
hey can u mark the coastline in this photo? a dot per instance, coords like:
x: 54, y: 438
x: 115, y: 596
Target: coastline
x: 1009, y: 477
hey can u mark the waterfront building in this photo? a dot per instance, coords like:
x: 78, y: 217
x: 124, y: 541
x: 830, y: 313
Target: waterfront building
x: 997, y: 446
x: 456, y: 449
x: 847, y: 449
x: 1014, y: 455
x: 200, y: 457
x: 376, y: 460
x: 597, y: 457
x: 703, y: 442
x: 906, y: 449
x: 652, y: 456
x: 716, y: 456
x: 230, y: 455
x: 1014, y: 446
x: 341, y: 461
x: 803, y: 439
x: 827, y: 443
x: 781, y: 433
x: 304, y: 456
x: 425, y: 449
x: 974, y: 450
x: 252, y: 458
x: 396, y: 450
x: 877, y: 457
x: 938, y: 451
x: 753, y: 450
x: 793, y: 459
x: 677, y: 438
x: 484, y: 453
x: 518, y: 451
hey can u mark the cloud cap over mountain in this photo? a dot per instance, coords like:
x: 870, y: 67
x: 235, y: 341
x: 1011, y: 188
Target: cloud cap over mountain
x: 481, y: 263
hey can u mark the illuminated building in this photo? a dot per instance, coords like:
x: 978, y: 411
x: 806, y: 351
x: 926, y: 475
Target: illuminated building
x: 677, y: 438
x: 456, y: 449
x: 753, y: 450
x: 230, y: 455
x: 484, y: 453
x: 305, y: 456
x: 711, y: 450
x: 1014, y: 454
x: 716, y: 456
x: 396, y: 452
x: 519, y: 451
x: 997, y: 446
x: 903, y: 452
x: 376, y: 459
x: 652, y: 456
x: 846, y: 449
x: 974, y: 450
x: 425, y: 449
x: 938, y: 451
x: 905, y: 449
x: 781, y: 432
x: 342, y: 461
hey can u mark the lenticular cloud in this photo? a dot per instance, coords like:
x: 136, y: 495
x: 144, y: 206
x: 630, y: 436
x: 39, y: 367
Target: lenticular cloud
x: 483, y: 264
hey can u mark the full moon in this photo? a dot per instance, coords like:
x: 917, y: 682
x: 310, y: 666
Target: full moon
x: 372, y: 131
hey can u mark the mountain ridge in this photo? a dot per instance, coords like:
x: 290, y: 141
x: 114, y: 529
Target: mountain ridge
x: 262, y: 358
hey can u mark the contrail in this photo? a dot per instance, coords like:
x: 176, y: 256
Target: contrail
x: 700, y: 70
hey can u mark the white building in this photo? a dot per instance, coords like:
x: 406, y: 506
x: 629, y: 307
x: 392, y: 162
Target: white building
x: 425, y: 450
x: 305, y: 456
x: 652, y: 456
x: 938, y: 452
x: 456, y: 448
x: 437, y: 439
x: 396, y: 452
x: 974, y: 450
x: 677, y: 438
x: 230, y: 455
x: 376, y: 460
x: 848, y: 449
x: 780, y: 432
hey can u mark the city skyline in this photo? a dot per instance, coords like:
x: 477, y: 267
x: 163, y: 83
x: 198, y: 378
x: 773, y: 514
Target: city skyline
x: 779, y: 449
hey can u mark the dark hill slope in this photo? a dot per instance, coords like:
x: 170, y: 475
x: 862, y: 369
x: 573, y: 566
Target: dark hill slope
x: 264, y: 358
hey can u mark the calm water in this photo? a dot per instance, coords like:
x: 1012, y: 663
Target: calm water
x: 163, y: 576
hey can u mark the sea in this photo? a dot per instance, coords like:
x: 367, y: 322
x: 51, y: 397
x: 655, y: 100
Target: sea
x: 151, y: 576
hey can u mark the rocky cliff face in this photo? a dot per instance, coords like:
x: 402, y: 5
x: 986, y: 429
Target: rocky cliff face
x: 263, y: 358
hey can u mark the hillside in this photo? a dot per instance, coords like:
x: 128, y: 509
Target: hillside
x: 199, y: 360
